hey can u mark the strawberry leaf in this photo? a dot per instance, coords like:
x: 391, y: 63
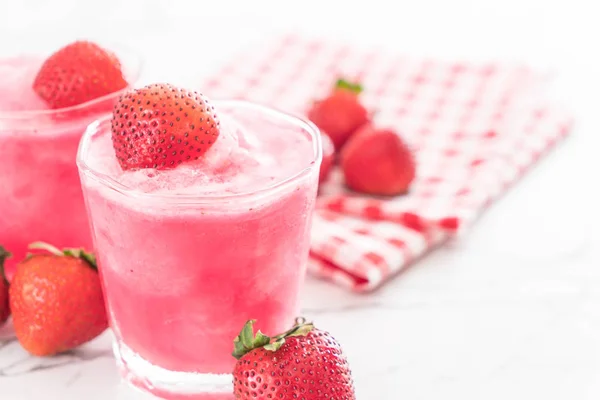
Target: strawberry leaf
x: 238, y: 348
x: 260, y: 340
x: 246, y: 342
x: 301, y: 328
x: 246, y: 336
x: 89, y: 258
x: 350, y: 86
x: 276, y: 345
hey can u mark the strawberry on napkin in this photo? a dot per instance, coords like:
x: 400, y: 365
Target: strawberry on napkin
x: 474, y: 130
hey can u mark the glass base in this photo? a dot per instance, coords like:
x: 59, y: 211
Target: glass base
x: 167, y: 384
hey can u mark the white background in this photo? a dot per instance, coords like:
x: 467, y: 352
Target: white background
x: 511, y: 310
x: 181, y: 39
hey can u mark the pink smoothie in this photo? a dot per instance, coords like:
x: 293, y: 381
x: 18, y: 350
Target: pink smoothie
x: 40, y: 194
x: 188, y: 255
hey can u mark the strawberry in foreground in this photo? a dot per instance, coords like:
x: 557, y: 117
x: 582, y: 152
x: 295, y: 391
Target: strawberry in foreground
x: 161, y: 126
x: 77, y: 73
x: 302, y: 363
x: 56, y: 300
x: 4, y: 305
x: 378, y: 162
x: 341, y: 113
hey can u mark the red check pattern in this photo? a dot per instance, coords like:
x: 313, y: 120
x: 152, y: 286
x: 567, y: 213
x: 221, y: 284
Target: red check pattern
x: 475, y: 130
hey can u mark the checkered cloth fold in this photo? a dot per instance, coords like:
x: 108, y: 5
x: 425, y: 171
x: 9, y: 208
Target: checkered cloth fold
x: 475, y: 130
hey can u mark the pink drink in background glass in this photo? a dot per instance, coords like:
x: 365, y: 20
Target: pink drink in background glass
x: 40, y: 192
x: 188, y: 255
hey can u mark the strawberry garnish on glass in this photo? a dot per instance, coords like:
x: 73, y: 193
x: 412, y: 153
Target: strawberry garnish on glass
x: 161, y: 126
x: 77, y: 73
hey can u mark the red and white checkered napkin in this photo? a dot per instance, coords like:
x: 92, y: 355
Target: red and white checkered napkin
x: 475, y: 129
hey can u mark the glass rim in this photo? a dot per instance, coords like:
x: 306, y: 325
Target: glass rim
x: 182, y: 199
x: 137, y: 68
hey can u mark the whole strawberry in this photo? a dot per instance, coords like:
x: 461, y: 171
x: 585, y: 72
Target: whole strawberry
x: 56, y: 300
x: 341, y: 113
x: 161, y: 126
x: 378, y: 162
x: 4, y: 305
x: 302, y: 363
x: 77, y: 73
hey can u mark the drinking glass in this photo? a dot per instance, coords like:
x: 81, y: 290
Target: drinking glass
x: 183, y: 273
x: 40, y: 191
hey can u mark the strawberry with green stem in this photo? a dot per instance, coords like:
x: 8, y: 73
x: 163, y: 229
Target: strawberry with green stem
x: 56, y: 300
x: 341, y: 113
x: 303, y: 363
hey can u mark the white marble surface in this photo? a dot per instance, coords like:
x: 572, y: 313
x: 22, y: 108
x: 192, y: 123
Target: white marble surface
x: 509, y: 310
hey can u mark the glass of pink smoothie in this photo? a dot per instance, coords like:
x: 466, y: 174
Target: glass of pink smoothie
x: 188, y: 255
x: 40, y: 193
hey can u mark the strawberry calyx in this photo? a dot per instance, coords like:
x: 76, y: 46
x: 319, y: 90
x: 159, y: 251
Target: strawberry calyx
x: 4, y: 255
x: 343, y: 84
x: 246, y: 341
x: 80, y: 253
